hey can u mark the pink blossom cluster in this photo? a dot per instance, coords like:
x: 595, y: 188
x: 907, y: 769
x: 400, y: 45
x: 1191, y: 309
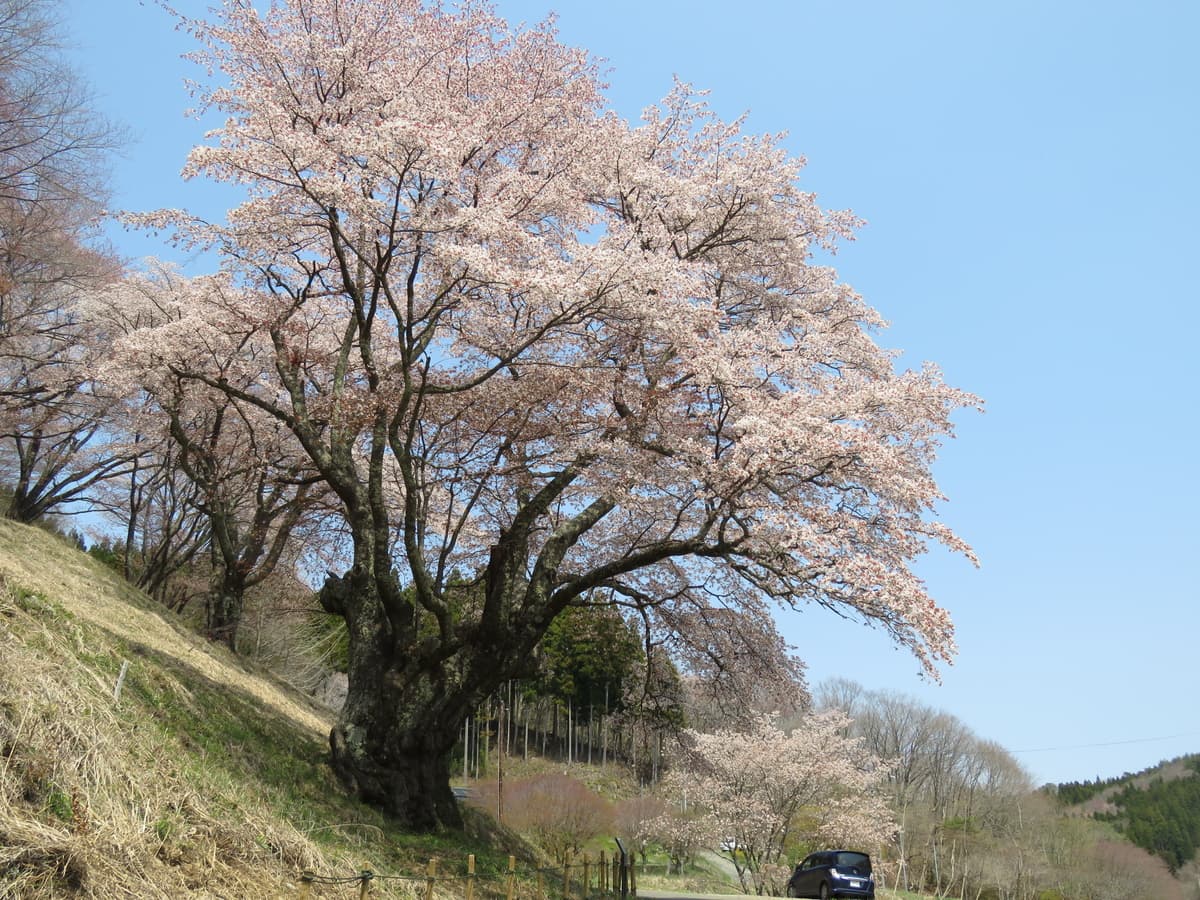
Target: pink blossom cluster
x: 481, y: 305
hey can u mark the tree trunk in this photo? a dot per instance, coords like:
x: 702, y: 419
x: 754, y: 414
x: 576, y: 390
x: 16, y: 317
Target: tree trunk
x: 392, y: 741
x: 224, y: 613
x: 406, y: 708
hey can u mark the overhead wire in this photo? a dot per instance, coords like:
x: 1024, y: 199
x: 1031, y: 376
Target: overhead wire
x: 1147, y: 740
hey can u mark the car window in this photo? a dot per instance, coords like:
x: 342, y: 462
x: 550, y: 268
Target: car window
x: 859, y: 862
x: 809, y: 861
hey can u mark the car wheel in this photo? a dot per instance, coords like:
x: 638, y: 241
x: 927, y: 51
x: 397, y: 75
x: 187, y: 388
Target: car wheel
x: 824, y: 891
x: 790, y: 892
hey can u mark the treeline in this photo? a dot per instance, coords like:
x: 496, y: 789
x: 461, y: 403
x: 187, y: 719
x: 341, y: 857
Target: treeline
x: 971, y: 824
x: 1162, y: 817
x: 1073, y: 793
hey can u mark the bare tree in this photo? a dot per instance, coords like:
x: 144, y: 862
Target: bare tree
x: 53, y: 445
x: 954, y: 794
x: 166, y: 534
x: 52, y: 142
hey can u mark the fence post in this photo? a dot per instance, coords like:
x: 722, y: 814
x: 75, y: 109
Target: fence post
x: 602, y: 873
x: 587, y: 876
x: 541, y: 883
x: 364, y: 887
x: 512, y: 878
x: 306, y: 880
x: 470, y: 876
x: 566, y: 887
x: 430, y: 877
x: 622, y: 875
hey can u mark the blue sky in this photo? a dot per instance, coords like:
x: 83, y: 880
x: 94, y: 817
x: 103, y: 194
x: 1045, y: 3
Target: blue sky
x: 1028, y: 171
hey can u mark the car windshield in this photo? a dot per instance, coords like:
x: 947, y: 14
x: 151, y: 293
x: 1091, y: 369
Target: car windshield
x: 858, y: 863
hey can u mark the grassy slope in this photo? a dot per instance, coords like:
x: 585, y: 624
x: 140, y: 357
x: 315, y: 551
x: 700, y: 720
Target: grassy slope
x: 204, y: 777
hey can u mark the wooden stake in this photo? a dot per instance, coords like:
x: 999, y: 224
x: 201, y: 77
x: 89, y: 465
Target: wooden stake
x: 430, y: 878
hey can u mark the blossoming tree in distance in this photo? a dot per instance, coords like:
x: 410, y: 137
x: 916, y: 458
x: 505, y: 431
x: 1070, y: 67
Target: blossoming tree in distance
x: 527, y: 343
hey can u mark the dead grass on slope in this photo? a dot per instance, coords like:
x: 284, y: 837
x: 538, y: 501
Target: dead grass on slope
x: 199, y: 779
x: 94, y: 805
x: 96, y: 594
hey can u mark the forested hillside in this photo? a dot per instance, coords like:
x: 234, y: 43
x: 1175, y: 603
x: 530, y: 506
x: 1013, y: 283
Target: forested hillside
x: 1159, y: 809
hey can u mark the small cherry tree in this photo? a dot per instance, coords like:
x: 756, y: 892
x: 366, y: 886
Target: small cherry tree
x: 635, y: 821
x: 523, y: 340
x: 252, y: 483
x: 762, y: 790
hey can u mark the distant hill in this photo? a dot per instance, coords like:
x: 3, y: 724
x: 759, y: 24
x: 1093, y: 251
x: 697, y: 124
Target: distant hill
x: 137, y: 760
x: 1157, y: 809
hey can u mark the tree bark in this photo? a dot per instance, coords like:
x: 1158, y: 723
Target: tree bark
x: 224, y: 613
x: 406, y: 706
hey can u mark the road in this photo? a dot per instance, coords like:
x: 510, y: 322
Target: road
x: 717, y: 859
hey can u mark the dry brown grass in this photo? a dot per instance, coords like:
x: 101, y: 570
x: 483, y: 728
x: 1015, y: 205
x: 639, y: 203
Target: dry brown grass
x: 204, y: 779
x: 86, y: 807
x: 93, y: 803
x: 96, y: 594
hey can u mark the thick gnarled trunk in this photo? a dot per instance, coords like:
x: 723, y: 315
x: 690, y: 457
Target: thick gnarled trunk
x: 395, y: 755
x: 405, y: 706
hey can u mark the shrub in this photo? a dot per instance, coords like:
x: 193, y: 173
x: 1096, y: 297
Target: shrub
x: 558, y: 812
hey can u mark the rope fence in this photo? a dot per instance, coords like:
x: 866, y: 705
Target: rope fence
x: 573, y: 880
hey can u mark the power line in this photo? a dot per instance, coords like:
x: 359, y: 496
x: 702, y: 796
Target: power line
x: 1167, y: 737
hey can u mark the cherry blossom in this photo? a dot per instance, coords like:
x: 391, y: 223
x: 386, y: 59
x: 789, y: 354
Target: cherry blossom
x: 523, y: 339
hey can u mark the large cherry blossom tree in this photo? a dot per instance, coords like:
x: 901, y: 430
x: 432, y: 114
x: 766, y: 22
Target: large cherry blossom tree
x: 527, y: 342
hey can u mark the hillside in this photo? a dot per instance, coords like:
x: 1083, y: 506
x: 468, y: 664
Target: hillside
x: 1157, y: 809
x: 191, y: 774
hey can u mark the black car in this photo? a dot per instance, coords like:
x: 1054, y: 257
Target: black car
x: 833, y: 873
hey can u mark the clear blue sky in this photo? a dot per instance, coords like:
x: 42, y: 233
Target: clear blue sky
x: 1030, y: 173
